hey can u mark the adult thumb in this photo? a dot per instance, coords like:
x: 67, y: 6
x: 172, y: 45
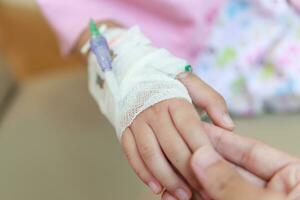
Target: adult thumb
x: 222, y: 182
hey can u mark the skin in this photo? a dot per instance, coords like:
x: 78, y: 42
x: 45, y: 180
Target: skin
x: 279, y: 171
x: 159, y: 145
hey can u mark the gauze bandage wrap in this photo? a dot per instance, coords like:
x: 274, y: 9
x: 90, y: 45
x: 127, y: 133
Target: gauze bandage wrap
x: 145, y: 75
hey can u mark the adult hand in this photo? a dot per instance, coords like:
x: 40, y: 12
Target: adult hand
x: 221, y: 181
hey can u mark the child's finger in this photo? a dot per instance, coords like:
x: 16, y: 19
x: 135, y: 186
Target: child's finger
x: 188, y: 124
x: 208, y: 99
x: 138, y: 165
x: 173, y: 145
x: 167, y: 196
x: 156, y: 162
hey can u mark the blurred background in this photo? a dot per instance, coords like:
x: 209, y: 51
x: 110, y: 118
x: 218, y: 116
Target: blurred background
x: 54, y: 143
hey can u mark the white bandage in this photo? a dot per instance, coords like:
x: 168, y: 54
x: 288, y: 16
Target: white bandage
x: 145, y: 75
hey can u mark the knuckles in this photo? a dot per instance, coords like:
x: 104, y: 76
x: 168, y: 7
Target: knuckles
x: 158, y: 111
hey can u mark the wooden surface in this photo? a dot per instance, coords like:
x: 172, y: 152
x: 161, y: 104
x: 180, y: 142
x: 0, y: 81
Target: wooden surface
x: 28, y: 43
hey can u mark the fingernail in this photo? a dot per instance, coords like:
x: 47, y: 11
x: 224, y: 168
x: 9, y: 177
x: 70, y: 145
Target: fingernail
x: 227, y: 120
x: 155, y: 188
x: 183, y: 75
x: 205, y: 157
x: 182, y: 194
x: 169, y: 197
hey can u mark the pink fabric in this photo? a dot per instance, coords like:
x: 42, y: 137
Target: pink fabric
x: 296, y: 3
x: 178, y: 25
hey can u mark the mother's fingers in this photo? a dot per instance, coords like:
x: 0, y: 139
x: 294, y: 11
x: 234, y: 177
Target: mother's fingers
x: 287, y: 180
x: 208, y: 99
x: 191, y: 129
x: 295, y: 193
x: 258, y: 158
x: 222, y: 182
x: 251, y: 178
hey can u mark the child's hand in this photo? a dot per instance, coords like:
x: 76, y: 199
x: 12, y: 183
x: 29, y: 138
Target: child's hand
x: 161, y: 140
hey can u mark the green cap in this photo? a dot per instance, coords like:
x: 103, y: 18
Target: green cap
x: 188, y: 68
x: 94, y: 29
